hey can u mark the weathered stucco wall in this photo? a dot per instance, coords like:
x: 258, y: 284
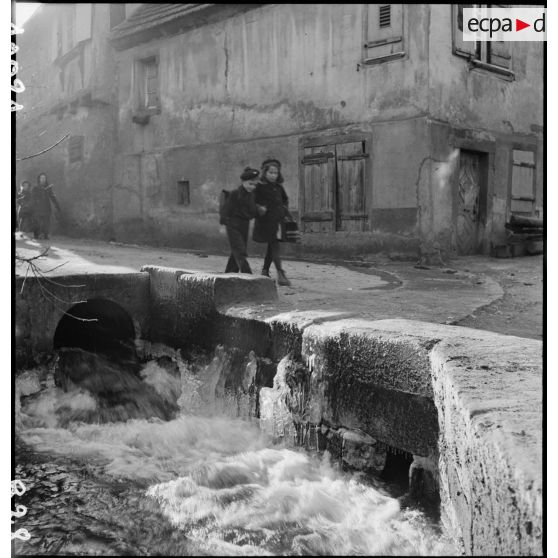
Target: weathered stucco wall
x: 238, y: 91
x: 485, y: 107
x: 475, y: 98
x: 257, y: 84
x: 74, y: 94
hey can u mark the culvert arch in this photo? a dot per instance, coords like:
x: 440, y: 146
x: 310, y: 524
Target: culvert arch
x: 97, y: 325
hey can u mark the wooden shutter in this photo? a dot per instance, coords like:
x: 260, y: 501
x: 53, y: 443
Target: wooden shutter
x: 318, y: 208
x: 500, y: 54
x: 83, y: 22
x: 384, y: 36
x: 470, y: 49
x: 523, y: 182
x: 75, y: 149
x: 351, y: 181
x: 151, y: 83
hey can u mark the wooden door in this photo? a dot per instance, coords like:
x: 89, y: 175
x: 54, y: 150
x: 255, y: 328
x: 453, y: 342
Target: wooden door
x: 351, y: 179
x: 468, y: 194
x: 318, y: 214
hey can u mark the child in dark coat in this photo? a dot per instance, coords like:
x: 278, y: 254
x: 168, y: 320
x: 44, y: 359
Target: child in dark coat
x: 271, y: 194
x: 241, y: 207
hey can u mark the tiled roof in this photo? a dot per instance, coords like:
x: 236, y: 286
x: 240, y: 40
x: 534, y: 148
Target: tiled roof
x: 143, y: 23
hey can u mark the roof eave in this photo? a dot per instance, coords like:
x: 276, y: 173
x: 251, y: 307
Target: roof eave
x: 203, y: 14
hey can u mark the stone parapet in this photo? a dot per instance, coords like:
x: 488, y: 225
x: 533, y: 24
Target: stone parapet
x: 474, y: 396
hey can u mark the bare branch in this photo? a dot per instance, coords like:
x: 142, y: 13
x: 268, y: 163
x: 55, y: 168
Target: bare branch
x: 44, y: 150
x: 29, y: 260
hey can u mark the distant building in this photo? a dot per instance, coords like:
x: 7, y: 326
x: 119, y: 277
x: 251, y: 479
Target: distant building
x: 395, y: 135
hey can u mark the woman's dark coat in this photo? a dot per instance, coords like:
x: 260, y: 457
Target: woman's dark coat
x: 42, y: 198
x: 275, y: 199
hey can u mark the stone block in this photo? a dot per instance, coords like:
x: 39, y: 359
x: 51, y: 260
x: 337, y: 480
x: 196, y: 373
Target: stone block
x: 423, y: 479
x: 184, y: 304
x: 362, y: 452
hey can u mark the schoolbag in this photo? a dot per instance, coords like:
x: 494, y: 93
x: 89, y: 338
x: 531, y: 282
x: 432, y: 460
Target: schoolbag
x: 224, y: 207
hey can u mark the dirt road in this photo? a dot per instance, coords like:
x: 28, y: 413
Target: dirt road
x: 504, y: 296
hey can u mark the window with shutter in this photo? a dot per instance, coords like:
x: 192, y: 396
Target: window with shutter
x: 494, y: 56
x: 468, y: 49
x: 523, y: 183
x: 499, y: 54
x: 384, y: 32
x: 148, y: 84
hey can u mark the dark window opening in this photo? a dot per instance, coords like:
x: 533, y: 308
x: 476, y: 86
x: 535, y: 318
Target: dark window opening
x: 75, y: 149
x: 183, y: 192
x: 117, y: 14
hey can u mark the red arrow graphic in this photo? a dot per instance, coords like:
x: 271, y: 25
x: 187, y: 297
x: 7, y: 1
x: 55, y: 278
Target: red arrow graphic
x: 519, y: 25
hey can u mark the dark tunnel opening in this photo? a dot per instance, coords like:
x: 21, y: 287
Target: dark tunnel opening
x: 99, y: 326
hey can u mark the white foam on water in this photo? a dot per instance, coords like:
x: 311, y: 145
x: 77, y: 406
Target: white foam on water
x: 217, y: 479
x: 291, y: 503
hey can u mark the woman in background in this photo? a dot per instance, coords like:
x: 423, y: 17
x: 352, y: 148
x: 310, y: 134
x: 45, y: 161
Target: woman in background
x: 271, y: 194
x: 43, y: 197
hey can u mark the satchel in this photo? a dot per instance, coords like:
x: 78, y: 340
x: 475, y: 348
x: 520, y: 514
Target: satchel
x: 290, y: 232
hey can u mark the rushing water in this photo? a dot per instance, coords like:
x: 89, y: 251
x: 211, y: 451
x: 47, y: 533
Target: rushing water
x: 199, y: 484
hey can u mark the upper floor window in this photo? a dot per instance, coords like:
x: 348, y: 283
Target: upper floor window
x: 117, y: 14
x: 489, y: 55
x: 148, y: 84
x: 384, y: 32
x: 72, y: 27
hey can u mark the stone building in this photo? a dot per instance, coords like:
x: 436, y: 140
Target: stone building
x: 394, y: 133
